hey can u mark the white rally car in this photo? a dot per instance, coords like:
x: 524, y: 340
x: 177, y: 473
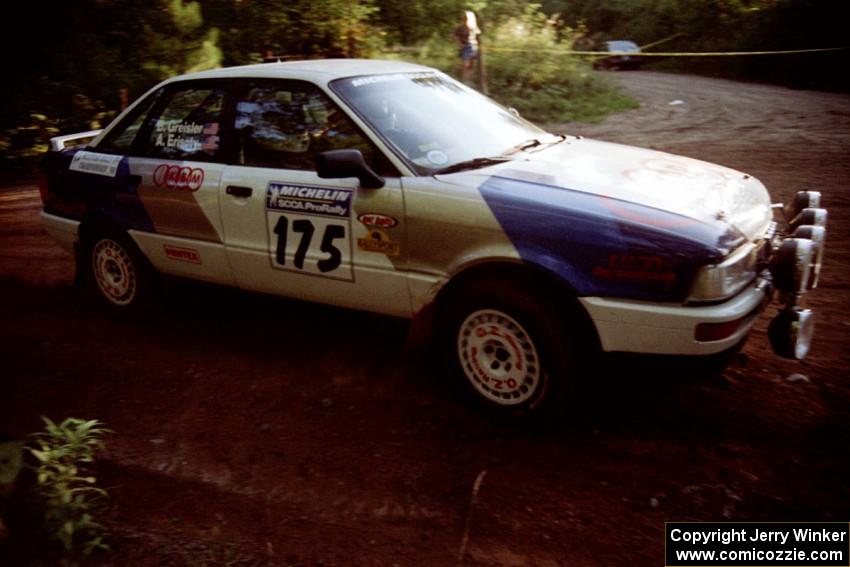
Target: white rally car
x: 390, y: 187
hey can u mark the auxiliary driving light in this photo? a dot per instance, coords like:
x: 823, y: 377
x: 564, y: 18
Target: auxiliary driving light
x: 815, y: 217
x: 791, y: 332
x: 802, y: 200
x: 792, y: 263
x: 816, y: 234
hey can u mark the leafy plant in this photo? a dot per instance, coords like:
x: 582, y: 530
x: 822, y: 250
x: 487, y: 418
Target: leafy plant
x: 69, y: 496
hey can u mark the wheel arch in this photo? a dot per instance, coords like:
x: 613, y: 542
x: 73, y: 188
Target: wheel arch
x: 551, y: 286
x: 544, y: 308
x: 94, y: 223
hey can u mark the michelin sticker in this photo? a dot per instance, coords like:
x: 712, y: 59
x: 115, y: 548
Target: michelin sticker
x: 309, y: 230
x: 99, y: 164
x: 309, y: 200
x: 393, y: 77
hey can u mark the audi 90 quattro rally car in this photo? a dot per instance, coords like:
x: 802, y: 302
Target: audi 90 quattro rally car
x: 390, y: 187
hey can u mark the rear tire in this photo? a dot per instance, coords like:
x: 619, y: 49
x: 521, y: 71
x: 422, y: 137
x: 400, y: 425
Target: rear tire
x: 117, y: 273
x: 513, y: 349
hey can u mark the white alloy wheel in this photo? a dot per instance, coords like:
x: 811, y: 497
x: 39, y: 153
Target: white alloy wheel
x: 114, y: 272
x: 499, y: 358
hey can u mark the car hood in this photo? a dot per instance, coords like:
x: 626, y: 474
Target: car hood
x: 695, y: 189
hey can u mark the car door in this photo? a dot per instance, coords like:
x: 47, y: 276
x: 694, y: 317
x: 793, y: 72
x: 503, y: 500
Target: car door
x: 170, y: 179
x: 289, y: 232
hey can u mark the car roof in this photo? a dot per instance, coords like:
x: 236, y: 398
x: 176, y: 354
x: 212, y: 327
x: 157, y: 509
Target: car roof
x: 622, y: 45
x: 316, y: 70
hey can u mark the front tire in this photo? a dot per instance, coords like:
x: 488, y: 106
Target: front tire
x: 514, y: 350
x: 499, y: 358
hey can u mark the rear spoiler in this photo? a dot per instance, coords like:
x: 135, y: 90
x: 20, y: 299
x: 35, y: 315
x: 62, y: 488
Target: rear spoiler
x: 60, y: 142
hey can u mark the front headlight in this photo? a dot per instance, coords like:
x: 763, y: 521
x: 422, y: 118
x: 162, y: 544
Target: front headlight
x: 716, y: 282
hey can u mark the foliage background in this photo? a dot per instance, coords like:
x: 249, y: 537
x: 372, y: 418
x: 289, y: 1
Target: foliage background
x: 74, y: 64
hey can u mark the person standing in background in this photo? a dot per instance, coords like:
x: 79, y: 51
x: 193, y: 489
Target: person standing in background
x: 466, y: 35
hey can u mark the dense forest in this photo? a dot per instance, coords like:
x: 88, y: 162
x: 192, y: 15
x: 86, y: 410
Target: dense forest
x: 80, y: 62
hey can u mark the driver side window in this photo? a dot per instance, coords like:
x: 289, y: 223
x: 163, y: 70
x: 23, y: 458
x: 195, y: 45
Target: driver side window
x: 288, y: 124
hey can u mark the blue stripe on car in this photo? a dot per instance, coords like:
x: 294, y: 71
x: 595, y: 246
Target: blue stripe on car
x: 572, y: 233
x: 115, y: 198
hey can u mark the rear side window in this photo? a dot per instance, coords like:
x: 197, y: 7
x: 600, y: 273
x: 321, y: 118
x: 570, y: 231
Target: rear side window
x: 187, y: 127
x: 120, y: 139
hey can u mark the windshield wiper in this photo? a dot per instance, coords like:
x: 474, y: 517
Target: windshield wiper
x: 473, y: 163
x: 532, y: 143
x: 522, y: 146
x: 506, y: 156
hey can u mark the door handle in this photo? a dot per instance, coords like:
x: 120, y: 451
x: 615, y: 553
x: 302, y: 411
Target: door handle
x: 238, y: 191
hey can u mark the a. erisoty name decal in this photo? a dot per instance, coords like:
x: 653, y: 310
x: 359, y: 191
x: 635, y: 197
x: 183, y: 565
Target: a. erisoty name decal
x: 309, y: 200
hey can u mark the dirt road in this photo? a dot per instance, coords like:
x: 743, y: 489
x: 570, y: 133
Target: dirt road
x: 790, y: 139
x: 251, y: 430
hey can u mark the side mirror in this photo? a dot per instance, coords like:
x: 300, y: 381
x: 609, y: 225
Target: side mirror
x: 336, y: 164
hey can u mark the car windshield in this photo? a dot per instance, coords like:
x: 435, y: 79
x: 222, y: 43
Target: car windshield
x: 436, y: 123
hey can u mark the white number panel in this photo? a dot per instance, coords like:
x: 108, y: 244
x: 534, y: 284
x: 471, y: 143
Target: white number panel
x: 309, y: 230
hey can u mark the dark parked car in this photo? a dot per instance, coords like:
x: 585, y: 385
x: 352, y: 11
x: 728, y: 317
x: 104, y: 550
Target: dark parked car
x: 619, y: 61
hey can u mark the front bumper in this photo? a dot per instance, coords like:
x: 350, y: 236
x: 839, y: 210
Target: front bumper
x: 791, y: 254
x: 652, y: 328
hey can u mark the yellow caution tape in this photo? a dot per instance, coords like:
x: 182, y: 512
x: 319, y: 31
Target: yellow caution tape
x: 663, y: 40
